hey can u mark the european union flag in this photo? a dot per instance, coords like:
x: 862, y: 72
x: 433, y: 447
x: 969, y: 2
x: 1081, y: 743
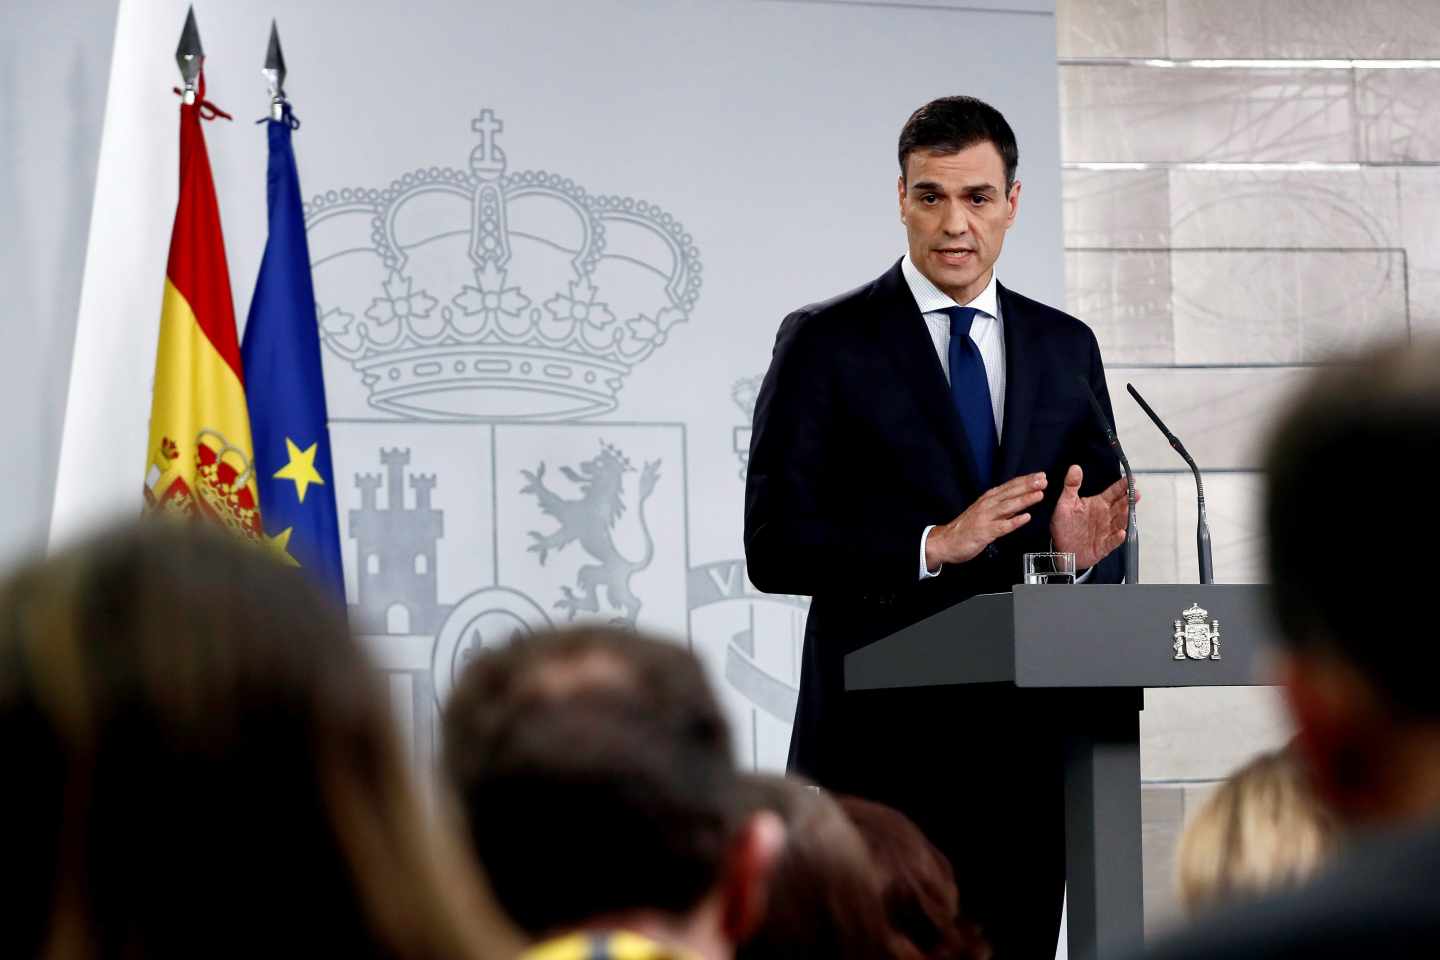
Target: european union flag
x: 285, y: 387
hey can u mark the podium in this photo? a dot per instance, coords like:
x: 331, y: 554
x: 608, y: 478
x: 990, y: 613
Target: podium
x: 1103, y: 644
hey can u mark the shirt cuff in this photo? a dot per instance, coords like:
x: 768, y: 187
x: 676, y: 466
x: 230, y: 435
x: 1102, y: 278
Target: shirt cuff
x: 925, y: 574
x: 1082, y: 577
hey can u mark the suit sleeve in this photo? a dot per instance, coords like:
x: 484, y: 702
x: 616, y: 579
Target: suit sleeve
x: 1099, y: 463
x: 803, y: 535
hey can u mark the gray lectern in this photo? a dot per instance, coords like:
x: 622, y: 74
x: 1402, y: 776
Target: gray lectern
x: 1105, y: 644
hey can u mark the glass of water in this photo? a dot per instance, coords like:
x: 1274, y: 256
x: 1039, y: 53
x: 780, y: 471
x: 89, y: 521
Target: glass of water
x: 1049, y: 568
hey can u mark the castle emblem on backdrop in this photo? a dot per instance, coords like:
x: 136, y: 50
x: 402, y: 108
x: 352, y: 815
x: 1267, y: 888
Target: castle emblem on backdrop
x: 496, y: 296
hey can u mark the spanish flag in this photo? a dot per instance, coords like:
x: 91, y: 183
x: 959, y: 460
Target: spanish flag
x: 200, y: 455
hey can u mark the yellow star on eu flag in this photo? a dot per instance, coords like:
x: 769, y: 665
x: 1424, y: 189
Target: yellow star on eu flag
x: 280, y: 546
x: 301, y: 468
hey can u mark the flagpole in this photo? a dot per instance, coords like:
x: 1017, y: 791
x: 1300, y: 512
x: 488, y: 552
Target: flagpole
x: 274, y: 72
x: 284, y: 372
x: 199, y: 455
x: 189, y: 56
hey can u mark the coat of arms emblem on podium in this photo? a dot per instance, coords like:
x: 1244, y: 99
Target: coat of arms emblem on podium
x: 1195, y: 638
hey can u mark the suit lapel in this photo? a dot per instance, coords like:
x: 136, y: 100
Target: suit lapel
x: 901, y: 330
x: 1020, y: 382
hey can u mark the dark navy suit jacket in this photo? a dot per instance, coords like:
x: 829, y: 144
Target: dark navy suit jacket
x: 857, y: 447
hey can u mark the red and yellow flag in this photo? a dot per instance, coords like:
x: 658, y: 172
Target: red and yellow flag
x: 200, y: 454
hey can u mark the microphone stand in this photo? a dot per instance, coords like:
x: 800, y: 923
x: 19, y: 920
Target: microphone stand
x: 1132, y: 529
x: 1202, y: 529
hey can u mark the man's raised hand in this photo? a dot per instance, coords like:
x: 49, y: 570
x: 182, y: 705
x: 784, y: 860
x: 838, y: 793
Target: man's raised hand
x: 1090, y: 527
x: 997, y: 512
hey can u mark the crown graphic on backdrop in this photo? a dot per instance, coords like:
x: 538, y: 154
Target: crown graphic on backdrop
x: 486, y: 295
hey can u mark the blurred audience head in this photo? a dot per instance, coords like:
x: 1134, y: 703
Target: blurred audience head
x: 1262, y: 829
x: 1348, y: 516
x: 824, y: 895
x: 595, y: 772
x: 201, y: 763
x: 917, y: 885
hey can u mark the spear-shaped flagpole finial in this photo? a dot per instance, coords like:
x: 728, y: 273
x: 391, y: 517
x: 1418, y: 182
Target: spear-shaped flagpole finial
x: 189, y: 55
x: 275, y: 74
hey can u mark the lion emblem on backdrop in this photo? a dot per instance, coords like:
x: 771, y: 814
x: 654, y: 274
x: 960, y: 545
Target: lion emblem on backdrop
x: 590, y: 519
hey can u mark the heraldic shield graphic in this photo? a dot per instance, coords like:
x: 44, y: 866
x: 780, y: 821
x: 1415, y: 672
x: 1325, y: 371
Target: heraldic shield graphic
x: 1194, y: 637
x: 478, y: 327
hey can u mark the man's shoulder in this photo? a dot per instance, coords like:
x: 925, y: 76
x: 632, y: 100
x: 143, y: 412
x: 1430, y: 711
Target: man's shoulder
x: 1382, y: 899
x: 851, y: 303
x: 843, y: 314
x: 1041, y: 315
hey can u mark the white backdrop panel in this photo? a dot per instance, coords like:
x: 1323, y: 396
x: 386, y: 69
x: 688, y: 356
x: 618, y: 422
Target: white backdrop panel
x: 698, y: 169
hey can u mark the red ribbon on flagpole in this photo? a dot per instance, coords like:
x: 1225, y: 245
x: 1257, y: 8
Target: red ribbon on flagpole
x: 206, y: 109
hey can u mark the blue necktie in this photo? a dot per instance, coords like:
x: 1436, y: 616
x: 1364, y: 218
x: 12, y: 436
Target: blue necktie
x: 970, y: 392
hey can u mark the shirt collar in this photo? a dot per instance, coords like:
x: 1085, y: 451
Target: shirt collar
x: 931, y: 299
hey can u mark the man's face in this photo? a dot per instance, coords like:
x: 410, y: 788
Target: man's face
x: 956, y: 210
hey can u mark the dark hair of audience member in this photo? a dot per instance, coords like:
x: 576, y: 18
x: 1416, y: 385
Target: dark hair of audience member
x: 202, y: 765
x: 824, y: 899
x: 595, y: 770
x: 917, y: 884
x: 1353, y: 423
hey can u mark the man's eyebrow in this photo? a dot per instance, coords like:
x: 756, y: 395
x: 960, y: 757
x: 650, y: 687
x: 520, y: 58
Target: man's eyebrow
x: 930, y: 186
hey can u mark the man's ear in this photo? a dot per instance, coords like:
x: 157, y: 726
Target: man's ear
x: 1340, y: 727
x: 1014, y: 198
x: 745, y: 889
x: 900, y: 195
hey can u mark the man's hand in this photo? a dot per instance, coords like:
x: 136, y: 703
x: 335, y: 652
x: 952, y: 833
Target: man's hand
x: 1090, y: 527
x: 998, y: 511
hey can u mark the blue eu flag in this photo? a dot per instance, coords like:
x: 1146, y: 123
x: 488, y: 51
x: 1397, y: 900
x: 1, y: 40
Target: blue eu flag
x: 285, y: 388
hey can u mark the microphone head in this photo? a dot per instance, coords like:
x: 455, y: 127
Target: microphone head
x: 1155, y: 419
x: 1103, y: 420
x: 1173, y: 440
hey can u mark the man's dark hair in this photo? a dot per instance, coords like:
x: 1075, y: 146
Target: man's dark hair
x: 1347, y: 509
x: 952, y: 124
x: 595, y: 772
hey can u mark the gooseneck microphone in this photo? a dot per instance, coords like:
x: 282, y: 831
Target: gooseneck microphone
x: 1132, y: 530
x: 1202, y: 530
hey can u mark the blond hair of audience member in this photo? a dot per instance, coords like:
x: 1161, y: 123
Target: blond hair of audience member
x: 1262, y: 829
x: 201, y: 764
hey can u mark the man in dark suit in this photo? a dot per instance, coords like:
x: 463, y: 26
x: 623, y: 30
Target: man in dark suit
x: 1357, y: 663
x: 912, y: 439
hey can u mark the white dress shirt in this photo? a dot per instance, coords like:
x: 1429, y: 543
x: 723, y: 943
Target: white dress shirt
x: 988, y: 333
